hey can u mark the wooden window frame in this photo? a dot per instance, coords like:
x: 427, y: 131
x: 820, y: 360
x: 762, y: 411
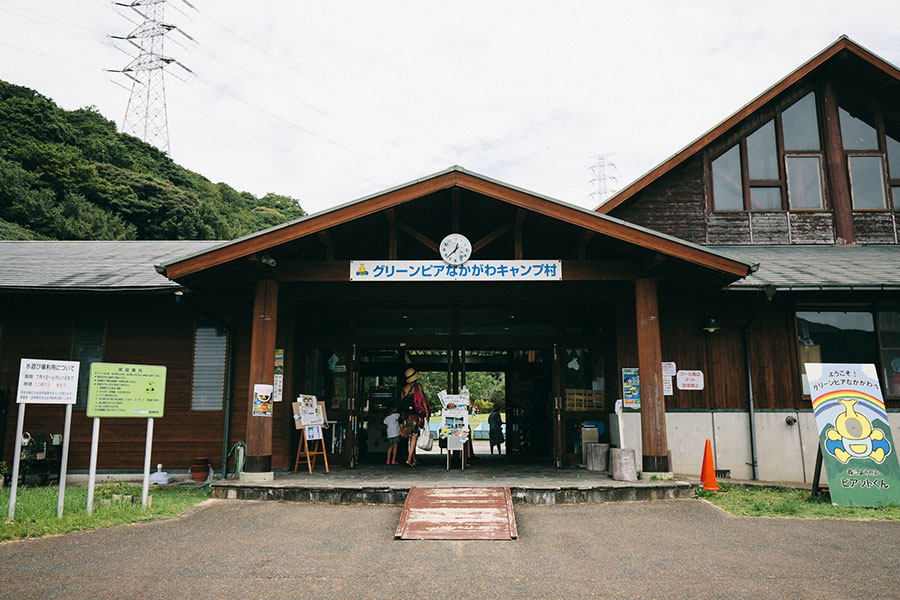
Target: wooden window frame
x: 781, y: 155
x: 848, y: 100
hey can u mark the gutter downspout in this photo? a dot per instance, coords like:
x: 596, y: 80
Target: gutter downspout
x: 754, y: 462
x: 229, y: 368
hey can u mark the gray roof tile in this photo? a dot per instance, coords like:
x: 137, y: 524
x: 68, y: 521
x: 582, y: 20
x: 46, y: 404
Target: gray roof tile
x: 819, y: 267
x: 90, y: 266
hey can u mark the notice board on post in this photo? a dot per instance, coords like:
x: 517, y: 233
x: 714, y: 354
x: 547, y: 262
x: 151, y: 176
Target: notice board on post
x: 120, y: 390
x: 857, y: 447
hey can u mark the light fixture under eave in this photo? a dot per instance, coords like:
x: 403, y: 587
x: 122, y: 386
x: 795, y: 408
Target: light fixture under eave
x: 268, y: 260
x: 710, y: 325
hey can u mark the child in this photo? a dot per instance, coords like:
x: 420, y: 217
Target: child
x: 393, y: 434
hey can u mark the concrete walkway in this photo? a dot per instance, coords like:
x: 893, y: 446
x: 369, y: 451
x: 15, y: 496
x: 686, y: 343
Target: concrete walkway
x: 678, y: 549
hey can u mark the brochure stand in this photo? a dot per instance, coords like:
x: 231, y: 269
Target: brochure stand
x: 311, y: 455
x: 309, y: 418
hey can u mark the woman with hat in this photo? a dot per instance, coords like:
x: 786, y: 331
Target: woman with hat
x: 416, y: 412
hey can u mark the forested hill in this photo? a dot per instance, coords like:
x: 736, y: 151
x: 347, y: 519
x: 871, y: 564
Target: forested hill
x: 68, y: 175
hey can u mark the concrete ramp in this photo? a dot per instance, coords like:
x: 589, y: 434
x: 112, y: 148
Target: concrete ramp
x: 457, y: 514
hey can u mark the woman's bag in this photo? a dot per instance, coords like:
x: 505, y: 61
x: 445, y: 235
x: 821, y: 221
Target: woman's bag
x: 424, y: 442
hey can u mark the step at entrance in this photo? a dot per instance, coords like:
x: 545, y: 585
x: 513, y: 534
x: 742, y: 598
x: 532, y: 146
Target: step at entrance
x: 457, y: 514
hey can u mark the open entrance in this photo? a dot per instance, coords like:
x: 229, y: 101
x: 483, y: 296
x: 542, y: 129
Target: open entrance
x: 518, y: 382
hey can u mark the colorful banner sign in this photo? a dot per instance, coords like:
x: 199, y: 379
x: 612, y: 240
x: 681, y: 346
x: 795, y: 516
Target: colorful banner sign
x: 473, y: 270
x: 47, y: 381
x: 120, y: 390
x: 631, y: 387
x: 857, y: 446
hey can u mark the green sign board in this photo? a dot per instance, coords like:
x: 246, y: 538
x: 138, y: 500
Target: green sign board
x: 119, y: 390
x: 857, y: 446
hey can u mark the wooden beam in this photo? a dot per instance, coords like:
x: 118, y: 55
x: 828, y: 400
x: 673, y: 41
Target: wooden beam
x: 517, y: 243
x: 392, y: 233
x: 328, y: 242
x: 491, y: 237
x: 583, y: 241
x: 609, y: 227
x: 653, y: 410
x: 836, y: 168
x: 416, y: 235
x: 262, y: 355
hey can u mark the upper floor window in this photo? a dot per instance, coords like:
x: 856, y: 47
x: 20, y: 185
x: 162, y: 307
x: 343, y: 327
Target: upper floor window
x: 777, y: 167
x: 873, y: 158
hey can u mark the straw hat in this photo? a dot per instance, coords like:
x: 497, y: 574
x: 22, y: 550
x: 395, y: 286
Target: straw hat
x: 411, y: 375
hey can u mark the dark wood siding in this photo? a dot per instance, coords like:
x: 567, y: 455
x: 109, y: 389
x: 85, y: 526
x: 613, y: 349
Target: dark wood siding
x: 674, y: 205
x: 720, y: 355
x: 150, y: 329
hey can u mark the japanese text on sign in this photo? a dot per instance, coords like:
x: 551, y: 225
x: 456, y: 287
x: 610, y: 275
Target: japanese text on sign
x: 47, y: 381
x: 119, y: 390
x: 689, y: 380
x: 473, y: 270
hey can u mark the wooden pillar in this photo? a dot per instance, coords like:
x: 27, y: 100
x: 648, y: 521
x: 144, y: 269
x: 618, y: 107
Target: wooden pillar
x: 653, y: 409
x: 836, y: 168
x: 262, y: 370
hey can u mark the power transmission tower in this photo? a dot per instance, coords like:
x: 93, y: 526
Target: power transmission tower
x: 146, y: 116
x: 603, y: 178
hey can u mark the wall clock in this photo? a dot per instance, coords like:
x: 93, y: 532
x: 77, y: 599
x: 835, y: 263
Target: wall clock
x: 455, y: 249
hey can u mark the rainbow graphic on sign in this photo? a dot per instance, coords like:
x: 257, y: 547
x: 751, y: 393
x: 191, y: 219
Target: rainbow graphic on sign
x: 855, y: 437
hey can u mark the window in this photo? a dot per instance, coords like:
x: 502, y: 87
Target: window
x: 873, y: 158
x: 87, y: 347
x: 208, y: 384
x: 778, y: 166
x: 852, y: 337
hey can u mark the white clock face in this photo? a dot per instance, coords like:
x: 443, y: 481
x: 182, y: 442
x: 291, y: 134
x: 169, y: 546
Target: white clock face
x: 455, y: 249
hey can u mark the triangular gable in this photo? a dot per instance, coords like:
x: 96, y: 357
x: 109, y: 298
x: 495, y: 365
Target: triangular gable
x: 456, y: 176
x: 843, y: 43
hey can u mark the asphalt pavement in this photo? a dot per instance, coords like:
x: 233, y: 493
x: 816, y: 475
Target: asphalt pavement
x: 672, y: 549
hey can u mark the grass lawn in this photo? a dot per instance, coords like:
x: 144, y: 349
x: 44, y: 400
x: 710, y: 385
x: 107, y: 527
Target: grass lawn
x: 36, y: 509
x: 789, y: 502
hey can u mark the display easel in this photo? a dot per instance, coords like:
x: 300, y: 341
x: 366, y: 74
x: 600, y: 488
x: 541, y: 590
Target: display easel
x: 455, y: 423
x: 311, y: 455
x: 305, y: 417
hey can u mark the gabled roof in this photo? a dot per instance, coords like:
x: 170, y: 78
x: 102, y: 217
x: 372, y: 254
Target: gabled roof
x: 458, y: 177
x: 818, y: 267
x: 90, y: 266
x: 842, y: 44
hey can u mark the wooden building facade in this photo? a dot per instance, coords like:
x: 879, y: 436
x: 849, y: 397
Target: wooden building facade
x: 770, y: 241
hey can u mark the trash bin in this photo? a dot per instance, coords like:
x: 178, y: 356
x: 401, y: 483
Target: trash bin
x: 589, y: 434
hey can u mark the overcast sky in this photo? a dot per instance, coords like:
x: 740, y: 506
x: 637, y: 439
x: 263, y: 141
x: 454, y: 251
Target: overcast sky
x: 331, y: 101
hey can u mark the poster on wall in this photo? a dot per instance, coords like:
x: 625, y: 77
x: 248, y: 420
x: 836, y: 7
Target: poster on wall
x: 631, y: 387
x: 689, y: 380
x: 262, y: 400
x: 854, y: 434
x: 278, y: 384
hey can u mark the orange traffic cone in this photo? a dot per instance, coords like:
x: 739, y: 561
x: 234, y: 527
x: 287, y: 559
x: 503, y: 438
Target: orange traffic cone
x: 708, y: 471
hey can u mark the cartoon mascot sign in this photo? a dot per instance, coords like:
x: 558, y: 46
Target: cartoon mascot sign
x: 857, y: 446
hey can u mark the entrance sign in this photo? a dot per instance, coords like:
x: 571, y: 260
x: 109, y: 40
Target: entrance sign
x: 124, y: 390
x: 857, y: 446
x: 631, y: 387
x: 473, y: 270
x: 44, y: 382
x: 119, y: 390
x: 689, y: 380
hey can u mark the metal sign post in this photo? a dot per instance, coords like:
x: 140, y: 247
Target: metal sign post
x: 124, y: 390
x: 44, y: 382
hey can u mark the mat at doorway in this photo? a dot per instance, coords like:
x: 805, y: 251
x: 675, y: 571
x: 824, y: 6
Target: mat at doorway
x: 457, y: 513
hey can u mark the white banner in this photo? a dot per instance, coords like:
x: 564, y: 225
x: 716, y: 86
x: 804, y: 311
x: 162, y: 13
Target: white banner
x: 47, y: 381
x: 473, y: 270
